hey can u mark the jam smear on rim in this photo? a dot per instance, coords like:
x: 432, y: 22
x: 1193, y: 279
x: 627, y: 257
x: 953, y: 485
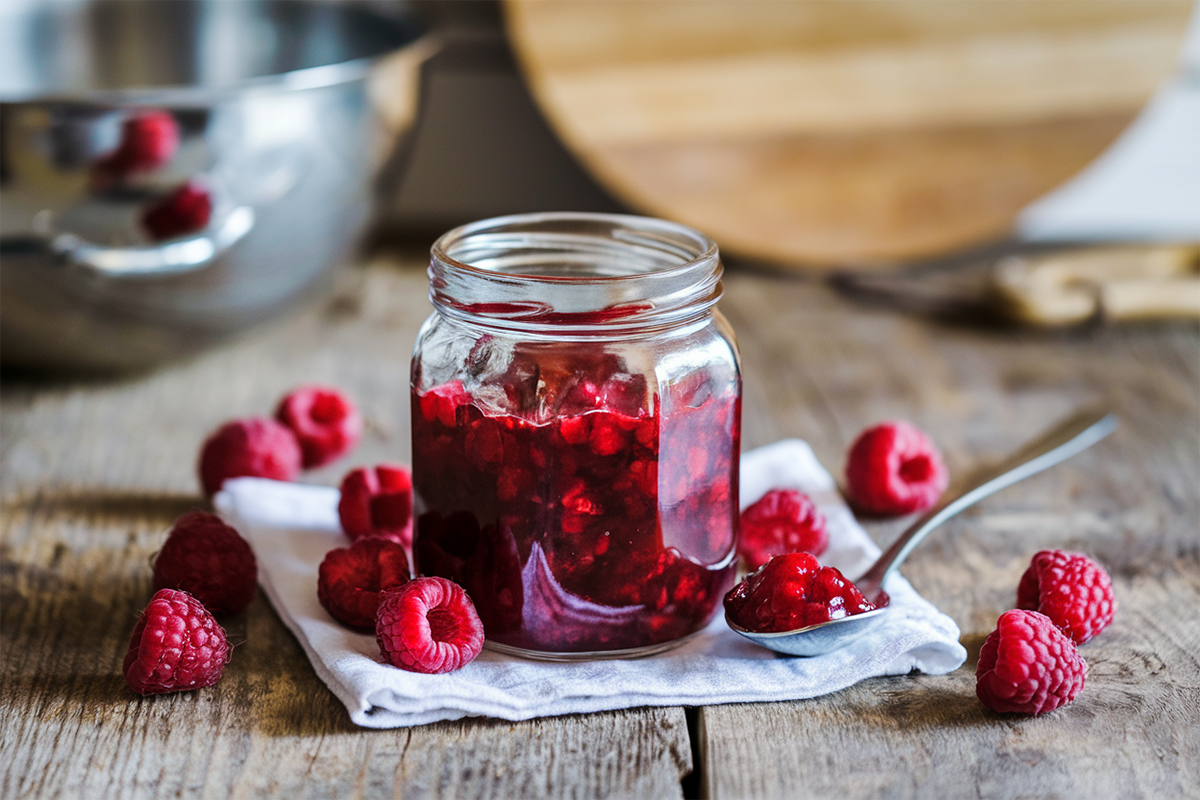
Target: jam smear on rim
x: 580, y: 510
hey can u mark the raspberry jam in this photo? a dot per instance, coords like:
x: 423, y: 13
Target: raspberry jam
x: 793, y: 591
x: 574, y: 464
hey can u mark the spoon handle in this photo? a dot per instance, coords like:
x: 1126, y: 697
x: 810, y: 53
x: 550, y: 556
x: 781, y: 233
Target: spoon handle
x: 1069, y: 437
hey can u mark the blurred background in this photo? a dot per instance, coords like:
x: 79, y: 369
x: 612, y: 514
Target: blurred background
x: 815, y: 132
x: 174, y: 172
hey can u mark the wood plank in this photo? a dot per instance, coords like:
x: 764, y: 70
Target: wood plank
x: 94, y: 472
x: 1132, y: 502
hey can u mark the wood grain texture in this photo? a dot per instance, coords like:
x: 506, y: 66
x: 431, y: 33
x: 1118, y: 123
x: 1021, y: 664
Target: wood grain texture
x: 830, y: 131
x: 858, y: 197
x: 93, y: 475
x: 823, y: 373
x: 93, y: 472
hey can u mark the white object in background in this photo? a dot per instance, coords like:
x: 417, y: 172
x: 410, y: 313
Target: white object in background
x: 1146, y: 186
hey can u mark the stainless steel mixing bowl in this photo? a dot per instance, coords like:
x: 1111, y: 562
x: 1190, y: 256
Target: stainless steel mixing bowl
x: 173, y: 172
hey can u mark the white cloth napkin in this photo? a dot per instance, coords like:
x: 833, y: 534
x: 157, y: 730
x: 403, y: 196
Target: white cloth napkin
x: 292, y: 526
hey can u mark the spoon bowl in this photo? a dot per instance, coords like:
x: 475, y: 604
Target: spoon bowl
x: 1064, y: 440
x: 816, y: 640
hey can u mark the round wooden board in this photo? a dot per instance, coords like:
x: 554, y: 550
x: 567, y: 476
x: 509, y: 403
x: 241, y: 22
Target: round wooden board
x: 830, y: 132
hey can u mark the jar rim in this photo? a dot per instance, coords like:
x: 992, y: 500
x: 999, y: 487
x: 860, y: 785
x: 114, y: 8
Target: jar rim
x: 514, y: 223
x: 580, y: 273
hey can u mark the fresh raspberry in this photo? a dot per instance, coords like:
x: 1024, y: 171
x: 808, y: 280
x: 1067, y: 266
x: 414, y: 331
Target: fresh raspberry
x: 325, y: 422
x: 185, y: 210
x: 210, y: 560
x: 377, y: 501
x: 1027, y: 665
x: 1072, y: 590
x: 793, y: 591
x: 148, y: 141
x: 176, y: 646
x: 254, y: 447
x: 894, y: 468
x: 783, y: 521
x: 428, y: 625
x: 351, y: 579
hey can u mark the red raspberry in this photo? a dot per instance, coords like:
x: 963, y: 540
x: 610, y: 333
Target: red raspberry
x: 783, y: 521
x: 186, y: 210
x: 148, y: 141
x: 894, y: 468
x: 428, y: 625
x: 793, y: 591
x: 1072, y: 590
x: 351, y: 579
x: 255, y: 447
x: 1027, y: 665
x: 210, y: 560
x: 441, y: 403
x: 325, y: 422
x: 176, y: 646
x: 377, y: 501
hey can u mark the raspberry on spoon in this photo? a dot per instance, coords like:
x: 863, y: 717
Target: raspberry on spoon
x: 176, y: 646
x: 793, y: 591
x: 428, y: 625
x: 1072, y: 590
x: 1027, y: 665
x: 783, y: 521
x: 210, y: 560
x: 893, y: 469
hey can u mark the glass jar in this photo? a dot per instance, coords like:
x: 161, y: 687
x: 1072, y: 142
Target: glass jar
x: 576, y: 424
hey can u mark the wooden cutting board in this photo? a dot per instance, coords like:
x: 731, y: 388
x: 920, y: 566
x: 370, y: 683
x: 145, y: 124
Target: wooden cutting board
x: 833, y: 132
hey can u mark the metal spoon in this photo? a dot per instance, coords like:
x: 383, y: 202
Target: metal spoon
x: 1069, y: 437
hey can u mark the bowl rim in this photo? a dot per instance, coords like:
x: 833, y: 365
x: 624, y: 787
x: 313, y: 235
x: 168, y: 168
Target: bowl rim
x: 297, y: 80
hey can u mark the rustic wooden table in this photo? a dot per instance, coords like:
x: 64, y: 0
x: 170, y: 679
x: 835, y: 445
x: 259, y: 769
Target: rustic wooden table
x: 94, y: 471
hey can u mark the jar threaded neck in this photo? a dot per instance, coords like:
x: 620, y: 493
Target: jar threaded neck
x: 605, y: 274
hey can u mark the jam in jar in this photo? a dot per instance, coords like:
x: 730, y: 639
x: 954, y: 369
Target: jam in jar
x: 576, y: 416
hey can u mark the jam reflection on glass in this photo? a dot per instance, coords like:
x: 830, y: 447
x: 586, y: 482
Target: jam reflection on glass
x: 579, y: 511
